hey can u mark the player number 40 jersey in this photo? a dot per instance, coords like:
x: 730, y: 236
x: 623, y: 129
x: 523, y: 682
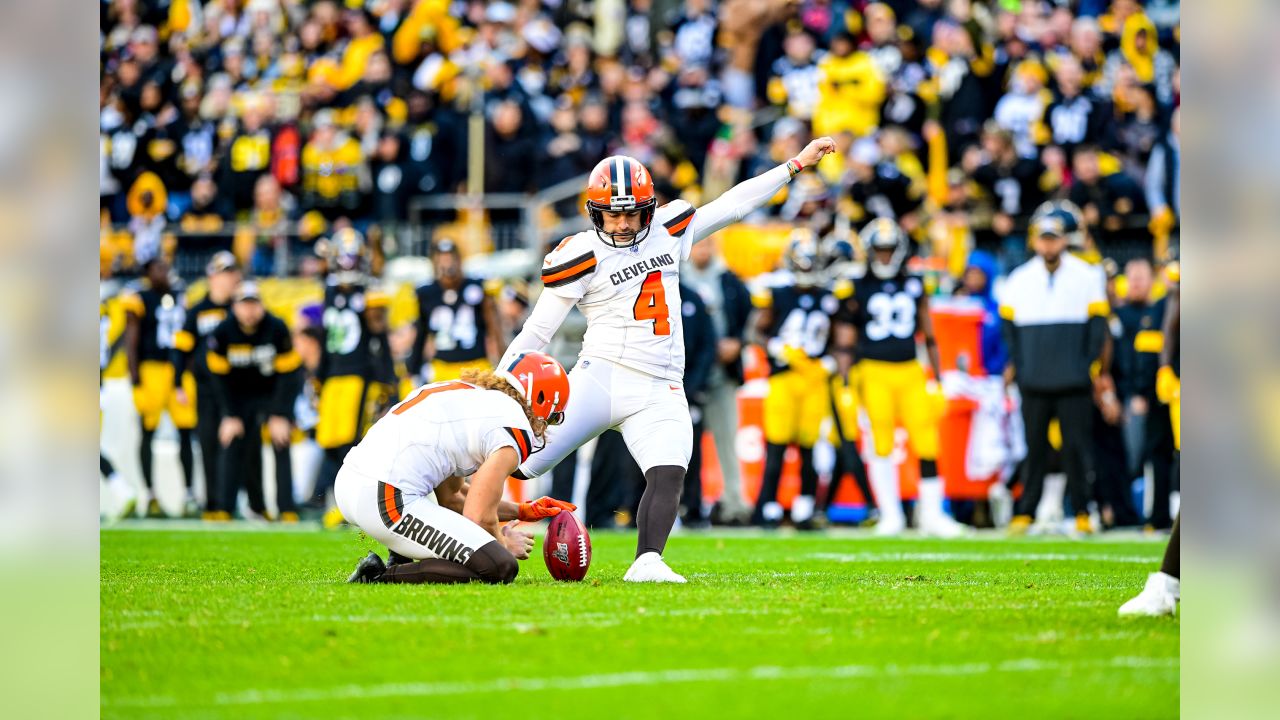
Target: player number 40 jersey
x: 630, y: 296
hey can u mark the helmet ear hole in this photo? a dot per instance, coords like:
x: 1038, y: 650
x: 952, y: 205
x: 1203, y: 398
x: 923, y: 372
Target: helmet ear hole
x: 542, y: 397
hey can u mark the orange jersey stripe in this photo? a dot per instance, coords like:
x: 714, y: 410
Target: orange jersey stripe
x: 389, y: 501
x: 581, y: 267
x: 680, y: 226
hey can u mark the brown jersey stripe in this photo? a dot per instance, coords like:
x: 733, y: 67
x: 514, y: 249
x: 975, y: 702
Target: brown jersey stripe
x: 522, y: 442
x: 570, y: 271
x: 677, y: 225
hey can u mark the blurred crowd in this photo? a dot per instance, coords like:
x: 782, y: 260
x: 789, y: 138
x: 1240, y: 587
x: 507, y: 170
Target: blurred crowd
x: 274, y: 128
x: 282, y: 120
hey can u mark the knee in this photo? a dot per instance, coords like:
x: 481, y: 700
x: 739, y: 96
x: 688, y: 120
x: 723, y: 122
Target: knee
x: 494, y: 564
x: 666, y: 477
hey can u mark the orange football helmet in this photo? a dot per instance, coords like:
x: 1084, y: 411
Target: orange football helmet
x: 621, y: 184
x: 543, y: 383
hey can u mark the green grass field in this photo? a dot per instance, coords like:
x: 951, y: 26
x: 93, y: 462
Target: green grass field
x: 242, y: 624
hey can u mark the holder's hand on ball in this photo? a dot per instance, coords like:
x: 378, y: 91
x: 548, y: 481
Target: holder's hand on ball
x: 543, y: 507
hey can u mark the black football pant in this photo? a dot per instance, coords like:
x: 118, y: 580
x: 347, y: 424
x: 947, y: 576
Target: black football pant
x: 563, y: 476
x: 1111, y: 480
x: 1157, y: 447
x: 240, y: 463
x: 208, y: 418
x: 616, y: 481
x: 1074, y: 410
x: 691, y: 498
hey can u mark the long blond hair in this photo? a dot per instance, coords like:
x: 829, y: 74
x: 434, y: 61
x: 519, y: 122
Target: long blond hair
x: 489, y: 381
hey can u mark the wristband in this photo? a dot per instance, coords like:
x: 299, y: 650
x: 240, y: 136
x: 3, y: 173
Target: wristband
x: 794, y: 167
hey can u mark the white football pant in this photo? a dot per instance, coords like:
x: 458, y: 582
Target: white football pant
x: 408, y: 523
x: 651, y: 413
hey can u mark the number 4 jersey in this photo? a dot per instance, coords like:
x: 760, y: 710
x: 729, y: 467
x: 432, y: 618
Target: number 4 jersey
x: 885, y: 316
x: 631, y: 295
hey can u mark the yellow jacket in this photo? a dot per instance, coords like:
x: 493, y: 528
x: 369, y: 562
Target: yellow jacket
x: 850, y: 93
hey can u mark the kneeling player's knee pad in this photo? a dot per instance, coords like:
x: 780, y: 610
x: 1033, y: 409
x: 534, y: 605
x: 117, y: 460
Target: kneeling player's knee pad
x: 493, y: 563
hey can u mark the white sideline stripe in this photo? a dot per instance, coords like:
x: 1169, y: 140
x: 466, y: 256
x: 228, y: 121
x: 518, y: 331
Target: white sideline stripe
x: 611, y: 680
x: 977, y: 557
x: 983, y: 536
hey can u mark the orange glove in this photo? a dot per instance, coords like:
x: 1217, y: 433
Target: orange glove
x: 543, y: 507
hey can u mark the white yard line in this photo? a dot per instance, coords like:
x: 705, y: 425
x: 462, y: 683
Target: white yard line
x: 627, y: 679
x: 979, y: 557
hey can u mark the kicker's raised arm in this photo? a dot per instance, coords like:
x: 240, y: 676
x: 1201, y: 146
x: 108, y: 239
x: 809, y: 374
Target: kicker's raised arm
x: 738, y: 201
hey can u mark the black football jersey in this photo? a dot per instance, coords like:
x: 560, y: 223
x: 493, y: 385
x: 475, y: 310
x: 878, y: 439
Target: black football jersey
x: 162, y: 314
x: 454, y: 320
x: 885, y: 316
x: 202, y: 319
x: 802, y: 317
x: 350, y: 348
x: 258, y: 368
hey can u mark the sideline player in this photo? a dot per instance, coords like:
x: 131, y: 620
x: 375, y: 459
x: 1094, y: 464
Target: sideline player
x: 794, y: 324
x: 624, y: 276
x: 357, y: 377
x: 155, y: 313
x: 190, y: 355
x: 457, y: 321
x: 890, y: 309
x: 1163, y: 589
x: 481, y: 426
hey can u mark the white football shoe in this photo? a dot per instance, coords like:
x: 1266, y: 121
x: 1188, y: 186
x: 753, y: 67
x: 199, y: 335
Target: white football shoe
x: 1158, y: 597
x: 941, y: 525
x: 650, y: 567
x: 890, y: 524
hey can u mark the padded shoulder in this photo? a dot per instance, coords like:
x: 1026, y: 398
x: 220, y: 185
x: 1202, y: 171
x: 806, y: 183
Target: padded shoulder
x: 573, y: 259
x: 675, y: 216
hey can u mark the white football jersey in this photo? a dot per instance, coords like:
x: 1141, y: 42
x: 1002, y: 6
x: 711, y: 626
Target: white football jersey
x: 442, y: 430
x: 631, y: 295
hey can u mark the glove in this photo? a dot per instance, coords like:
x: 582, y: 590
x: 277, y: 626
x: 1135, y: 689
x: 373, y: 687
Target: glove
x: 543, y: 507
x: 1167, y: 384
x: 795, y: 357
x: 1162, y: 221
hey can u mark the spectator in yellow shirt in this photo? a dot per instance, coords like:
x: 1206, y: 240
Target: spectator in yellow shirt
x: 850, y: 91
x: 333, y: 169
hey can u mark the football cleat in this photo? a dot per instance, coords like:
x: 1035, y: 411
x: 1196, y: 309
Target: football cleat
x: 216, y: 516
x: 1020, y: 524
x: 154, y: 510
x: 942, y: 526
x: 190, y: 508
x: 890, y: 525
x: 1159, y: 597
x: 290, y: 518
x: 332, y: 519
x: 650, y: 567
x: 1084, y: 526
x: 368, y: 570
x: 1001, y: 502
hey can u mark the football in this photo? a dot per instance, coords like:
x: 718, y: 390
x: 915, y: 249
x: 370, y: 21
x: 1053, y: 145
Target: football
x: 566, y: 548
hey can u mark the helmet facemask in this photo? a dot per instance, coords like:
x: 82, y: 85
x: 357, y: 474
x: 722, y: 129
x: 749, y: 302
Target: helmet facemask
x: 624, y: 204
